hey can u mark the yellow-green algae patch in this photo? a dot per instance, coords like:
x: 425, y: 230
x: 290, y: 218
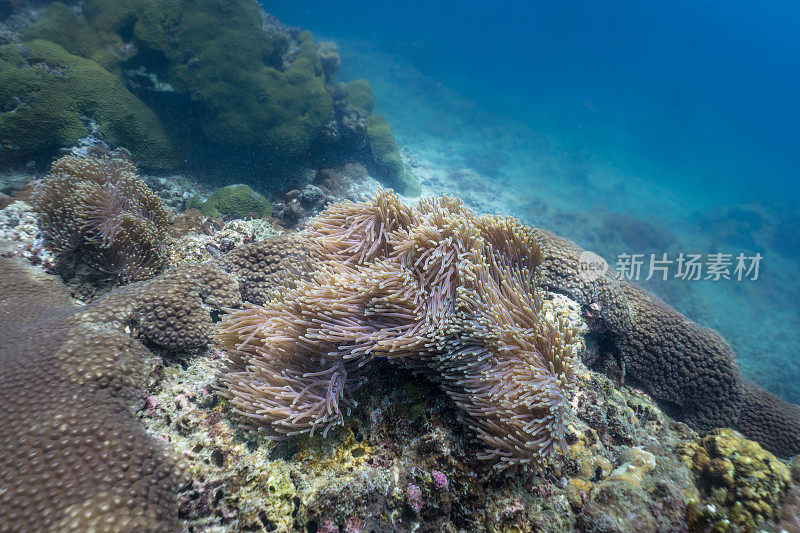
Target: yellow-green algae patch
x: 742, y: 484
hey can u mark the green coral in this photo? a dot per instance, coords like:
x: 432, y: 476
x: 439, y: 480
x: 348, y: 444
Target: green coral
x: 217, y: 52
x: 237, y: 201
x: 386, y: 157
x: 61, y: 25
x: 359, y: 93
x: 113, y: 16
x: 51, y: 98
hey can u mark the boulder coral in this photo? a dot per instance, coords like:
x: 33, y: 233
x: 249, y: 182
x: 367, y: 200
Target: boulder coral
x: 74, y: 456
x: 96, y: 208
x: 237, y: 201
x: 689, y: 369
x: 434, y: 288
x: 386, y: 159
x: 51, y: 98
x: 359, y: 94
x: 64, y: 26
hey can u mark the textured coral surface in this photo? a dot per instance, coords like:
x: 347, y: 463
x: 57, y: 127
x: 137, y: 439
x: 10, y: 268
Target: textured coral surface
x: 74, y: 457
x: 690, y: 369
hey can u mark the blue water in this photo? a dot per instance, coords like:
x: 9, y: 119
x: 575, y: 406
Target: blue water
x: 684, y: 115
x: 696, y: 90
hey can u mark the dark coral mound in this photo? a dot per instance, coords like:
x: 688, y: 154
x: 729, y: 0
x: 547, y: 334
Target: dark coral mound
x: 74, y: 458
x: 96, y: 209
x: 435, y: 288
x: 680, y: 361
x: 688, y: 368
x: 265, y: 269
x: 770, y: 420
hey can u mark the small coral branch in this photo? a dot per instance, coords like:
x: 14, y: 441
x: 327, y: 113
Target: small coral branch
x: 434, y: 288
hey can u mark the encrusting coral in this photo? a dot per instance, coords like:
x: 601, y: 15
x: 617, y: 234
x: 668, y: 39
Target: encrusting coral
x: 742, y: 483
x: 434, y: 288
x: 73, y: 457
x: 95, y: 207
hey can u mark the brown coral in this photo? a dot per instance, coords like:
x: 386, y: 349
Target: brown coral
x: 435, y: 288
x: 96, y: 208
x: 266, y: 268
x: 772, y: 421
x: 73, y: 457
x: 688, y: 368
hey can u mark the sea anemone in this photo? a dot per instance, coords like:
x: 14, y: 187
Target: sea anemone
x: 435, y: 288
x: 96, y: 207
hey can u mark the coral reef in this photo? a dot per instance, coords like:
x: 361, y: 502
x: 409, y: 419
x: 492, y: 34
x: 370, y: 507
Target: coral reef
x: 95, y: 208
x: 359, y: 93
x: 742, y: 484
x: 403, y: 462
x: 403, y: 459
x: 690, y: 369
x: 236, y: 201
x: 434, y: 288
x: 207, y: 80
x: 51, y: 98
x: 386, y: 157
x: 75, y: 459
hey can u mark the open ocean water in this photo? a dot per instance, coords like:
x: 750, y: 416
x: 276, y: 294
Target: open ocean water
x: 637, y: 129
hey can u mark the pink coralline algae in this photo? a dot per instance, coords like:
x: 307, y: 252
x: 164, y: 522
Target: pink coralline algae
x: 414, y: 497
x: 439, y: 480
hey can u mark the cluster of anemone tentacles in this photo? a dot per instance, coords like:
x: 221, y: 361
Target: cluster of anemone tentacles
x: 434, y: 288
x: 95, y: 207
